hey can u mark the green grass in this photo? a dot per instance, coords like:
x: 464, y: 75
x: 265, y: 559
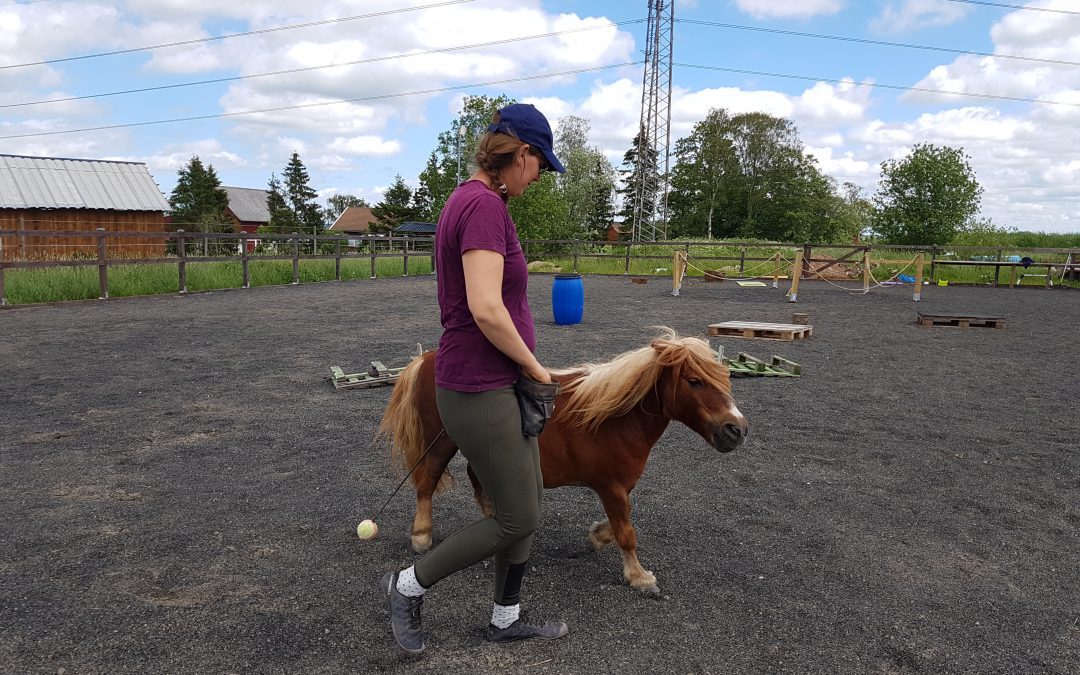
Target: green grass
x: 26, y: 286
x: 55, y: 284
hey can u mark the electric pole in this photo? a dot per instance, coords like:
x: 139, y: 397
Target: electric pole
x: 654, y: 133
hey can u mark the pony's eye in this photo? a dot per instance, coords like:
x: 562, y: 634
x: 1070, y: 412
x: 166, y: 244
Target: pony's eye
x: 694, y: 382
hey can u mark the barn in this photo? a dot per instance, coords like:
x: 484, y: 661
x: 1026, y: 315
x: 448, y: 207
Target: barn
x: 354, y: 222
x: 58, y: 195
x: 247, y: 210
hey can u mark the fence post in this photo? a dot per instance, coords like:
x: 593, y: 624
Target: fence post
x: 405, y: 253
x: 337, y: 259
x: 742, y: 261
x: 371, y: 247
x: 103, y: 266
x: 244, y: 258
x: 3, y: 294
x: 808, y: 253
x: 919, y: 262
x: 997, y: 268
x: 181, y: 254
x: 295, y: 238
x: 575, y: 258
x: 626, y: 270
x: 933, y: 264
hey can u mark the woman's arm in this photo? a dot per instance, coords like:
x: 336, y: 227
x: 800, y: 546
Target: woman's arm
x: 483, y: 289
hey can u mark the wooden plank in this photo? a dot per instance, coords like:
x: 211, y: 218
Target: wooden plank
x: 763, y: 331
x: 960, y: 320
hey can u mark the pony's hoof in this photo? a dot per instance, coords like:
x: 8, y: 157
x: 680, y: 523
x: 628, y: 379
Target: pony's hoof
x: 421, y: 543
x: 646, y: 584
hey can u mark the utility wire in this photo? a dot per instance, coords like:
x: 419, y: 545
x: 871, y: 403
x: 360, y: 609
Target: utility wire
x: 881, y: 43
x: 302, y: 106
x: 235, y: 35
x: 1024, y: 7
x: 290, y: 71
x: 877, y: 85
x: 527, y: 78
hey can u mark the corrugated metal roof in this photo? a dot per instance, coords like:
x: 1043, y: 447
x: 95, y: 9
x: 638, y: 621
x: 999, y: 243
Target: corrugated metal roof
x: 248, y: 204
x: 412, y: 227
x: 57, y: 183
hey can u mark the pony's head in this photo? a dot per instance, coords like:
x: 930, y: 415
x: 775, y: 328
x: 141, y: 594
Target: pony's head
x: 689, y: 382
x: 694, y: 388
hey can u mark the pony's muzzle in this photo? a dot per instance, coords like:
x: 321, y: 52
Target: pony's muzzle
x: 730, y: 435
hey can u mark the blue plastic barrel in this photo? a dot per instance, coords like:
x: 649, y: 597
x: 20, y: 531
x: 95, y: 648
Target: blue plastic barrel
x: 567, y: 299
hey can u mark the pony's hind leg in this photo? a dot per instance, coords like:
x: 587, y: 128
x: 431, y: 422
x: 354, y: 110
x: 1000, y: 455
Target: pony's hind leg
x: 617, y: 505
x: 479, y: 494
x: 426, y: 480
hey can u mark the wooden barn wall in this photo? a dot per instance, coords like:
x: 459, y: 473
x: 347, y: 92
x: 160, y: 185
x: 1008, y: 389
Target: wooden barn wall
x: 59, y: 247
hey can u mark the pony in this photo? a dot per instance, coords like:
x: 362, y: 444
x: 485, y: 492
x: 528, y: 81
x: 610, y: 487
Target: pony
x: 607, y: 418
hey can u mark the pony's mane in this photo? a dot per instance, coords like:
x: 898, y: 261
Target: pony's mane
x: 598, y: 391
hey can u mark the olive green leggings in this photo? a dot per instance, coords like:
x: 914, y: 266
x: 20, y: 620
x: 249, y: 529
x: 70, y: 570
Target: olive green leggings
x: 487, y: 428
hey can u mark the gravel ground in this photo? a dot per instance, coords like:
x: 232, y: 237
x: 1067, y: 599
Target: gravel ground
x: 180, y: 486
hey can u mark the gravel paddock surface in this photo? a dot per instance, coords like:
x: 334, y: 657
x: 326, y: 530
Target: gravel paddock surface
x: 180, y: 488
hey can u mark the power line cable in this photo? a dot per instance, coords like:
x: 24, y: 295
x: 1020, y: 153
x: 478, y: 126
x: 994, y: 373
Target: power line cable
x: 227, y: 36
x: 362, y: 99
x: 881, y: 43
x: 440, y: 90
x: 290, y: 71
x: 1023, y: 7
x: 877, y: 85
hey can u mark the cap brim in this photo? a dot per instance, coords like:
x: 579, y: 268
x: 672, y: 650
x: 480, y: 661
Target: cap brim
x: 553, y: 162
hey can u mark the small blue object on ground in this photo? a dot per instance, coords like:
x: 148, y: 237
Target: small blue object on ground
x: 905, y: 278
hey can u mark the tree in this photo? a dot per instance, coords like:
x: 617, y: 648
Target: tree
x: 336, y: 205
x: 541, y: 213
x: 749, y: 175
x: 198, y: 198
x: 282, y: 218
x: 588, y: 185
x: 395, y: 207
x: 703, y: 179
x: 452, y: 159
x: 639, y: 172
x: 927, y: 197
x: 301, y: 197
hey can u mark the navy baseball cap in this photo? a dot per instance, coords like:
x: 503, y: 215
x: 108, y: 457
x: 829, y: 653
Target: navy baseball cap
x: 525, y: 123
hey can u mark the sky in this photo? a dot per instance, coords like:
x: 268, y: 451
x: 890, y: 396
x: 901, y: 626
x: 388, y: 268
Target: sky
x: 367, y: 93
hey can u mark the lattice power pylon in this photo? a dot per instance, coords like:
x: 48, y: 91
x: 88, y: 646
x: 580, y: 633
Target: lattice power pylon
x: 654, y: 133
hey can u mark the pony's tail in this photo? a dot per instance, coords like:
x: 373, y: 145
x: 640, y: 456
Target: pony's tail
x: 401, y: 421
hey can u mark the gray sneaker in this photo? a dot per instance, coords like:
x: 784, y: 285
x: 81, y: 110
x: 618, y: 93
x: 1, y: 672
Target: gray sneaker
x: 404, y: 615
x: 525, y: 628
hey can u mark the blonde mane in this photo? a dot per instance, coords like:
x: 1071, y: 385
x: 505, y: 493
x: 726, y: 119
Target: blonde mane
x: 599, y: 391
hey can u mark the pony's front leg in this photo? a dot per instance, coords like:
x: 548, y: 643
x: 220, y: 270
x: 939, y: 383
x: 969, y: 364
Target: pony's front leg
x: 617, y: 505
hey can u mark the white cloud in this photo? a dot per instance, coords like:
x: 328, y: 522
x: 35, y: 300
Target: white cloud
x: 800, y: 9
x: 916, y: 14
x: 362, y: 146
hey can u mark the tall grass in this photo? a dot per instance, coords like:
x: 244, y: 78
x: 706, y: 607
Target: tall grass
x: 56, y: 284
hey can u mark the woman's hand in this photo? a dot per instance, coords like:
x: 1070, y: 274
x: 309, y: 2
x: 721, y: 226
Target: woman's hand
x: 538, y: 373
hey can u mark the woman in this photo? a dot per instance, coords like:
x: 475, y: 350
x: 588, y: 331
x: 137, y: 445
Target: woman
x: 487, y: 344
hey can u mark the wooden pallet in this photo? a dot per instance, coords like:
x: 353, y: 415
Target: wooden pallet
x: 764, y: 331
x: 376, y: 376
x: 745, y: 365
x: 960, y: 320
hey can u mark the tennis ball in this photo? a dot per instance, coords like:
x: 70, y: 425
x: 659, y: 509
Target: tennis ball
x: 367, y: 529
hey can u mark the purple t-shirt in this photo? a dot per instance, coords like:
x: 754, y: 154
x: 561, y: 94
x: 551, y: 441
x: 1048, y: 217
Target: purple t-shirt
x: 476, y: 218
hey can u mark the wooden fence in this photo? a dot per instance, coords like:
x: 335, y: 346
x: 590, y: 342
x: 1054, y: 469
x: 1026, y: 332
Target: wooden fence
x: 189, y: 245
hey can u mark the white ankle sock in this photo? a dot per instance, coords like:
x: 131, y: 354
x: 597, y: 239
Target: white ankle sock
x: 407, y: 583
x: 504, y: 615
